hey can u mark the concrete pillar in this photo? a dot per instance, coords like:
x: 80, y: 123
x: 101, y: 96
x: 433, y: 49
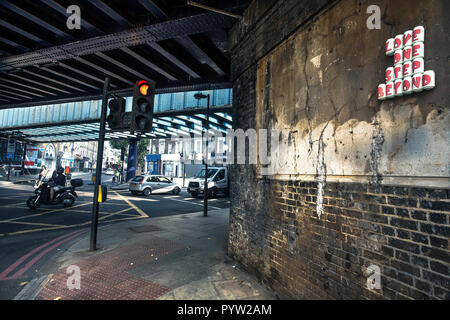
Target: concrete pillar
x: 132, y: 159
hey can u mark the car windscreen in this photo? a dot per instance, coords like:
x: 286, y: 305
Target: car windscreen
x: 211, y: 172
x: 137, y: 179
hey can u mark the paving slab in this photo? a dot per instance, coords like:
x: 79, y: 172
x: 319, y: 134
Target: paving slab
x: 179, y: 257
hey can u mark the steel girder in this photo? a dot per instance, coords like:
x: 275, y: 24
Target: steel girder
x: 132, y: 37
x: 88, y: 130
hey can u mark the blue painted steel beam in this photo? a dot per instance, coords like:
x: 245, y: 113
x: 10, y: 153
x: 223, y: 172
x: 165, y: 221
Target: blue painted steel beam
x: 132, y: 159
x: 89, y: 111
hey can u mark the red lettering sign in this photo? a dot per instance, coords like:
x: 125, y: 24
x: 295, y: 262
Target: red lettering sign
x: 397, y: 72
x: 406, y: 85
x: 406, y: 38
x: 397, y: 86
x: 408, y: 74
x: 389, y: 89
x: 397, y: 57
x: 417, y: 81
x: 388, y: 46
x: 418, y: 65
x: 380, y: 92
x: 426, y: 79
x: 415, y: 48
x: 407, y: 54
x: 417, y: 34
x: 389, y: 74
x: 406, y: 69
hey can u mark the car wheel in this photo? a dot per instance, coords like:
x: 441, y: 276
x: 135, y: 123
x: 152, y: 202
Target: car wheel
x: 212, y: 193
x: 176, y: 190
x: 147, y: 191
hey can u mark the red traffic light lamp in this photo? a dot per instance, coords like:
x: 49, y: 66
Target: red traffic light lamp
x: 144, y: 88
x: 142, y: 111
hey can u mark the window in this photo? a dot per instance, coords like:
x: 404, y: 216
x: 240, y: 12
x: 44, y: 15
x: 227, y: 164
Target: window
x: 220, y: 175
x: 165, y: 180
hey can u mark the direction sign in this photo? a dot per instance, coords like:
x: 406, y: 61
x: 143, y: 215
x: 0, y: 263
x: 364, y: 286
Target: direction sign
x: 11, y: 146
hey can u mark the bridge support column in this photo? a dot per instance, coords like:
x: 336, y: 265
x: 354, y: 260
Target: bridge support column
x: 132, y: 159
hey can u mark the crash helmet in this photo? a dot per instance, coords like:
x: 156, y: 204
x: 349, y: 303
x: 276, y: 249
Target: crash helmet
x: 60, y: 170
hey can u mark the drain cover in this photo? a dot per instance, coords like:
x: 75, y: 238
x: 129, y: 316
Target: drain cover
x: 147, y: 228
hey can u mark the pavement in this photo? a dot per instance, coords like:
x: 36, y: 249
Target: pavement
x: 18, y: 179
x: 176, y: 257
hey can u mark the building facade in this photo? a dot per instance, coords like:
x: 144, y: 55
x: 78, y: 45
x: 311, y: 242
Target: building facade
x: 178, y: 157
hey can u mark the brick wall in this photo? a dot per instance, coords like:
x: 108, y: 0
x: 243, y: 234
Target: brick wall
x: 402, y: 230
x: 275, y: 230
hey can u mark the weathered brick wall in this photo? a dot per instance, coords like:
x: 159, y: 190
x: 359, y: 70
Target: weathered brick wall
x: 402, y: 230
x: 275, y: 230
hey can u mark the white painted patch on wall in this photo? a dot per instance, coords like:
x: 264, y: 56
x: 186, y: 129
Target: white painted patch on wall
x: 316, y: 61
x: 320, y: 178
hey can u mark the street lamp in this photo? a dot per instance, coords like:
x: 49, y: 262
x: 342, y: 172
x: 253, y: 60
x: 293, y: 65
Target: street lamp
x: 199, y: 96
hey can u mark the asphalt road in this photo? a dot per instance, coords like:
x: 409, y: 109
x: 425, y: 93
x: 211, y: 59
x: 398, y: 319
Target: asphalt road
x: 31, y: 240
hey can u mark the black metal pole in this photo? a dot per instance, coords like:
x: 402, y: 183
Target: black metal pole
x: 205, y: 199
x: 9, y: 170
x: 98, y: 171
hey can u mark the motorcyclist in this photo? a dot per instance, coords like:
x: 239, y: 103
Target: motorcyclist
x: 59, y: 182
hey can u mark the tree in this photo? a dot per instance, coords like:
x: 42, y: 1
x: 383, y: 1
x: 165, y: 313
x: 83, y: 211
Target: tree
x: 142, y: 152
x: 141, y: 149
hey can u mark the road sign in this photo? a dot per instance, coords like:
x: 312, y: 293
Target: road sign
x: 11, y: 146
x: 9, y: 155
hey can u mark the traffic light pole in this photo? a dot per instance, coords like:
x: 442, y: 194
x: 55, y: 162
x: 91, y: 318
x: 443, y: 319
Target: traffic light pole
x: 205, y: 199
x: 98, y: 171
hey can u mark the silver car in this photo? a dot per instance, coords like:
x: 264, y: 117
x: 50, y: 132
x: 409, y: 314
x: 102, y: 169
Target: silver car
x: 148, y: 184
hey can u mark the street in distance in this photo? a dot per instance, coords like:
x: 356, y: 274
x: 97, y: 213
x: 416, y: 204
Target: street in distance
x: 226, y: 309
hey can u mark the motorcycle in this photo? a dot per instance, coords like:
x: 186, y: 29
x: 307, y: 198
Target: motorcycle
x: 65, y: 195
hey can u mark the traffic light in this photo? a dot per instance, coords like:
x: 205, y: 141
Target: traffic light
x: 142, y: 111
x: 116, y: 115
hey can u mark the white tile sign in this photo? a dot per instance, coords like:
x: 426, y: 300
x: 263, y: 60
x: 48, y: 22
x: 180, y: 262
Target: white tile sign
x: 407, y: 75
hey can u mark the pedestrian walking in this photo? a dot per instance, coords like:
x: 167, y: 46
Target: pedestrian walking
x: 117, y: 176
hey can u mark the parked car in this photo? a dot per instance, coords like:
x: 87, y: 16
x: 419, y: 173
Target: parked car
x: 109, y: 172
x: 218, y: 181
x: 148, y: 184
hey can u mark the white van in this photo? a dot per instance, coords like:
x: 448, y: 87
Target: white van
x: 218, y: 181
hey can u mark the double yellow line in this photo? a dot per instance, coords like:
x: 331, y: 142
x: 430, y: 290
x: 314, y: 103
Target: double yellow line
x: 141, y: 213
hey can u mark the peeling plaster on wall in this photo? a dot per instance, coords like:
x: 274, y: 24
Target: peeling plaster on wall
x: 376, y: 153
x: 320, y: 178
x: 307, y: 106
x: 415, y: 140
x: 316, y: 62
